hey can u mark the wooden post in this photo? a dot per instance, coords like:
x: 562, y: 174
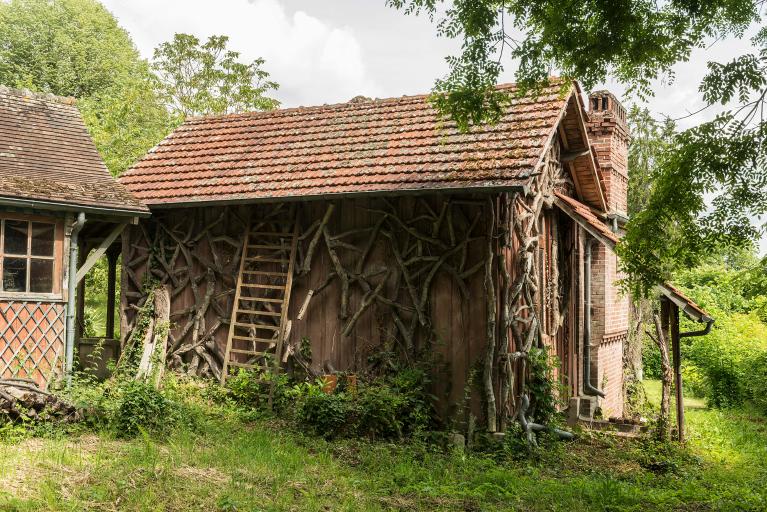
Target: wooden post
x: 677, y: 362
x: 125, y: 237
x: 112, y: 255
x: 662, y: 333
x: 80, y: 315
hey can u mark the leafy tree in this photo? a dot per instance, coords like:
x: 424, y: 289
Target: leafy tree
x: 126, y: 120
x: 67, y: 47
x: 635, y: 42
x: 206, y: 78
x: 76, y: 48
x: 650, y: 139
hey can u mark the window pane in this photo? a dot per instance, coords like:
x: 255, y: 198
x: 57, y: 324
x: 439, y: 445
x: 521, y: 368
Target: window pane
x: 16, y: 236
x: 41, y: 276
x: 15, y: 274
x: 42, y: 239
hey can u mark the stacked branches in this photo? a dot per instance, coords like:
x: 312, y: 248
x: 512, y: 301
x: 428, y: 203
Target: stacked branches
x: 196, y: 256
x: 523, y: 297
x: 23, y: 400
x: 422, y: 238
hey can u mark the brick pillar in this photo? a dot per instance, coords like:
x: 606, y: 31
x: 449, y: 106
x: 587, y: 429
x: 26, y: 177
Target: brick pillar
x: 608, y: 133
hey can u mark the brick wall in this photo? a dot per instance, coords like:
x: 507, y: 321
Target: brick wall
x: 608, y: 132
x: 609, y: 136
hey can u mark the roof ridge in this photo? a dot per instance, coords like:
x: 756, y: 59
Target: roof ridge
x: 352, y: 105
x: 394, y: 145
x: 40, y: 96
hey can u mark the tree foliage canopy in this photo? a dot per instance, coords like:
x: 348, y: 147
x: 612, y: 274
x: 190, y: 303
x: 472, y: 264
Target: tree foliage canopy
x: 205, y: 78
x: 721, y: 163
x: 76, y: 48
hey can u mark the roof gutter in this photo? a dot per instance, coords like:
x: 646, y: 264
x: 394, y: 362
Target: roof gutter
x: 519, y: 187
x: 61, y: 206
x: 74, y: 250
x: 702, y: 332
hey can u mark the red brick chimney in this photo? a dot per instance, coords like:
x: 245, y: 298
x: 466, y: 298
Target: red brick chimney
x: 609, y: 135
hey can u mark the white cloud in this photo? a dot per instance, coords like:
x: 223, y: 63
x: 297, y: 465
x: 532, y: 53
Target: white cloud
x: 313, y: 61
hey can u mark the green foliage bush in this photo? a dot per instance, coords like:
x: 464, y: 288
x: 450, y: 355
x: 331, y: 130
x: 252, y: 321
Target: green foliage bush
x: 650, y: 359
x: 327, y: 414
x: 543, y: 403
x: 728, y: 366
x: 389, y: 407
x: 757, y: 381
x: 140, y: 406
x: 124, y: 407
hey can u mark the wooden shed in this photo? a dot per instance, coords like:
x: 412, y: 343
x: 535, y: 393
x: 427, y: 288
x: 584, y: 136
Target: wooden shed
x: 54, y: 189
x: 374, y: 230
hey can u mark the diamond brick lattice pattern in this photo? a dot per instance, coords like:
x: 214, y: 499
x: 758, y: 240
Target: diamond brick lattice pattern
x: 31, y: 339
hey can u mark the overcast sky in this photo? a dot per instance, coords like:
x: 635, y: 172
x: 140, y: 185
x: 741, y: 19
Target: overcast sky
x: 332, y: 50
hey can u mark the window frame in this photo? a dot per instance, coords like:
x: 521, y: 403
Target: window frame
x: 57, y: 258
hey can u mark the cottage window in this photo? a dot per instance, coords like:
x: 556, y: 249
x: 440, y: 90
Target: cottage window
x: 27, y: 256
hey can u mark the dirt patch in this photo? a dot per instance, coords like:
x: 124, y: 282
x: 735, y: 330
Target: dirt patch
x: 25, y: 465
x: 193, y: 473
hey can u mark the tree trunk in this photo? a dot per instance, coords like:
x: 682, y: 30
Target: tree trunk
x: 664, y: 423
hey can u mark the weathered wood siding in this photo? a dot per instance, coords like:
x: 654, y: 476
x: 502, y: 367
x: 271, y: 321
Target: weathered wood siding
x: 454, y: 339
x: 454, y: 342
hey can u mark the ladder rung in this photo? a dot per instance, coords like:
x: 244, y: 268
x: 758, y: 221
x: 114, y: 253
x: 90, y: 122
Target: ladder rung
x: 256, y: 312
x: 264, y: 286
x: 259, y: 299
x: 257, y: 340
x: 258, y: 326
x: 246, y: 352
x: 245, y: 365
x: 265, y: 273
x: 266, y: 260
x: 266, y: 233
x: 270, y: 247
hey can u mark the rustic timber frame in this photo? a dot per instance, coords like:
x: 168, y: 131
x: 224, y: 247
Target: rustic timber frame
x: 380, y: 275
x: 470, y: 252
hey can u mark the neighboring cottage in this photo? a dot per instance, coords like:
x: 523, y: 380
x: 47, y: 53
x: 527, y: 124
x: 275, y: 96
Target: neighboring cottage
x: 54, y: 189
x: 353, y: 235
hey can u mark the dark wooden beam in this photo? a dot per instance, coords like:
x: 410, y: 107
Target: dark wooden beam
x: 677, y: 363
x: 572, y: 155
x: 112, y: 256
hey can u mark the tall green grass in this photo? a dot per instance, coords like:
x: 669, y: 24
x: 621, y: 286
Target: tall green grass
x: 226, y: 463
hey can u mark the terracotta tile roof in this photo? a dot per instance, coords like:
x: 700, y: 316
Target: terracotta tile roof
x: 688, y: 306
x: 584, y: 216
x: 388, y: 146
x: 47, y: 155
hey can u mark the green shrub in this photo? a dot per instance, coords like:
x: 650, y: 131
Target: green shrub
x: 650, y: 359
x: 694, y: 382
x: 727, y: 366
x: 757, y: 381
x: 328, y: 414
x: 392, y: 406
x: 140, y: 406
x: 541, y: 386
x: 251, y: 389
x: 379, y: 411
x: 247, y: 388
x: 725, y: 359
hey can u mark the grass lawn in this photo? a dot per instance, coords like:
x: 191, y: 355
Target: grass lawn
x: 226, y: 464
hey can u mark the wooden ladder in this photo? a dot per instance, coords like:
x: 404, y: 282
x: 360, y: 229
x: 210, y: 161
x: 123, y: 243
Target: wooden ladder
x: 259, y: 320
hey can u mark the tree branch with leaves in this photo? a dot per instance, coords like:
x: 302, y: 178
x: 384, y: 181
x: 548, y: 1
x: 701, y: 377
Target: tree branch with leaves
x: 711, y: 184
x: 207, y: 78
